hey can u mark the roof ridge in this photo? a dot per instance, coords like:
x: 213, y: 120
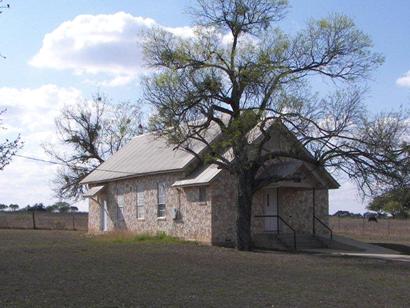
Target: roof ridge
x: 143, y: 134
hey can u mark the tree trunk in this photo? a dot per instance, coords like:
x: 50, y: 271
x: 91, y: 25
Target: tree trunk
x: 244, y: 213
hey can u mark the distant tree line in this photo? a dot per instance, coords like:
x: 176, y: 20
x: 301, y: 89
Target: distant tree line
x: 379, y: 214
x: 58, y: 207
x: 341, y: 213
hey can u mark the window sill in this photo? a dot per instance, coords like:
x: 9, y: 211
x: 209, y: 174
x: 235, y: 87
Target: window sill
x: 202, y: 203
x: 161, y: 218
x: 140, y: 219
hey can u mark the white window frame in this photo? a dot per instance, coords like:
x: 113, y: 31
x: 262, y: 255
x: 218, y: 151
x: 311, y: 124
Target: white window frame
x: 202, y: 194
x: 161, y: 200
x: 140, y: 199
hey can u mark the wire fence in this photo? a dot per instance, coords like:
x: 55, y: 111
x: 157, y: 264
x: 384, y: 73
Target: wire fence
x: 44, y: 221
x: 384, y: 229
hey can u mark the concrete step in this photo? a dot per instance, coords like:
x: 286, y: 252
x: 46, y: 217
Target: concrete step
x: 286, y: 241
x: 303, y: 241
x: 268, y: 241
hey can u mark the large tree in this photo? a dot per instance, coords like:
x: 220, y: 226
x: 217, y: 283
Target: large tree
x: 89, y: 133
x: 8, y: 148
x: 240, y: 71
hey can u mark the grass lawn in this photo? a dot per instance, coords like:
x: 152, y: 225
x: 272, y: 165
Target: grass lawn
x: 62, y: 268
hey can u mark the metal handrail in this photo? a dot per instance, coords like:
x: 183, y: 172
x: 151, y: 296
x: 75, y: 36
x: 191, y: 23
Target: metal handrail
x: 284, y: 222
x: 325, y: 225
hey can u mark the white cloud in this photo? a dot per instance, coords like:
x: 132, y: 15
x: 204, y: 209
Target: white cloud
x: 31, y: 112
x: 34, y: 110
x: 99, y: 44
x: 116, y: 81
x: 404, y: 81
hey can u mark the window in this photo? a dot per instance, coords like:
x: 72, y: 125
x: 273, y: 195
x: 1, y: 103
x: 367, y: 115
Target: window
x: 140, y: 202
x: 202, y: 193
x: 161, y: 196
x: 121, y: 203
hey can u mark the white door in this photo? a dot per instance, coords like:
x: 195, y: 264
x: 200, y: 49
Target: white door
x: 271, y: 208
x: 104, y: 216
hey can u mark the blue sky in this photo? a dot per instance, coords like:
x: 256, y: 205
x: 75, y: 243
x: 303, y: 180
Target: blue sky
x: 38, y: 78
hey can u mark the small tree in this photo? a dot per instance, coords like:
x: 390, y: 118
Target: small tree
x: 2, y: 7
x: 241, y: 74
x: 3, y: 207
x: 9, y: 147
x: 93, y: 131
x: 51, y: 208
x: 14, y: 207
x: 60, y: 206
x: 64, y: 209
x: 73, y: 209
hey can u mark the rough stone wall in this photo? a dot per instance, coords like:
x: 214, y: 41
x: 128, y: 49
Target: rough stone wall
x: 223, y: 194
x: 295, y: 206
x: 212, y: 221
x: 322, y: 210
x: 257, y: 224
x: 94, y: 214
x: 194, y: 219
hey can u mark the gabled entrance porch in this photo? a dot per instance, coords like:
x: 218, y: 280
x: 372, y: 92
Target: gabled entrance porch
x: 292, y: 214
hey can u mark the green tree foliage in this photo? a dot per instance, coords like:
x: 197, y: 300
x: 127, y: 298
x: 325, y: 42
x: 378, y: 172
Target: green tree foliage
x: 60, y: 207
x: 3, y: 207
x: 395, y: 202
x: 89, y: 133
x: 39, y: 207
x: 14, y: 207
x: 240, y: 72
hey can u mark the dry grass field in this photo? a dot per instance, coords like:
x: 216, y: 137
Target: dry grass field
x: 44, y: 220
x: 384, y: 231
x: 70, y: 269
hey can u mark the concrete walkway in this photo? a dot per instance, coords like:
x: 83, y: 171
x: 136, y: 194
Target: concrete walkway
x: 343, y: 246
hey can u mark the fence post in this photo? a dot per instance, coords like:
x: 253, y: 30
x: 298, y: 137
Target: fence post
x: 34, y: 219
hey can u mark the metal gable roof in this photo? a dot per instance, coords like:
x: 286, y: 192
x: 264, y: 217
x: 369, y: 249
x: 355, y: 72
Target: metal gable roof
x: 148, y: 154
x: 151, y: 154
x: 144, y: 154
x: 203, y: 177
x: 93, y: 191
